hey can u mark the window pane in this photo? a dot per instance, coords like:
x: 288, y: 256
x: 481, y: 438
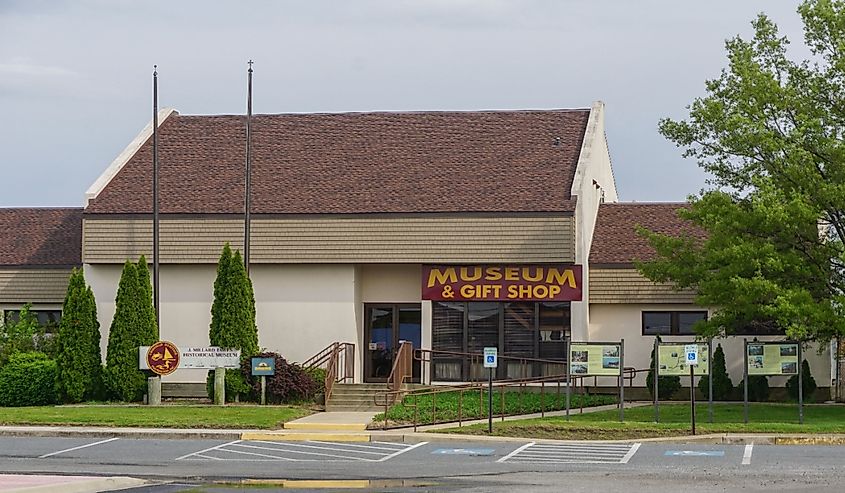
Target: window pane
x: 657, y: 323
x: 482, y: 326
x: 554, y: 328
x: 447, y: 335
x: 448, y: 327
x: 687, y: 319
x: 520, y: 332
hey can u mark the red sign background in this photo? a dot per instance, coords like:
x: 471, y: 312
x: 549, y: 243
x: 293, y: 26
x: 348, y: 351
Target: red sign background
x: 534, y: 282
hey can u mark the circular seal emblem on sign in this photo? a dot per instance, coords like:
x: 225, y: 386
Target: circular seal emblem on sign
x: 163, y: 358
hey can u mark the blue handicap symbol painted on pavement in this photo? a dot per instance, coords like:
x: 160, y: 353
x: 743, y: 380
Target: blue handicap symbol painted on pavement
x: 696, y: 453
x: 464, y: 451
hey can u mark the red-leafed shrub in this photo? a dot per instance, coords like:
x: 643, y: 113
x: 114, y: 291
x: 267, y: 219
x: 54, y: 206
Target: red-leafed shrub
x: 289, y: 383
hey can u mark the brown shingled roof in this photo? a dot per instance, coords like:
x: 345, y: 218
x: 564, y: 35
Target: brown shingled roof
x: 615, y: 239
x: 36, y: 237
x: 489, y: 161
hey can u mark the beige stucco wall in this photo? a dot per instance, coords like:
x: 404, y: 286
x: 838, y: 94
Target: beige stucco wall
x: 612, y: 322
x: 300, y: 309
x: 593, y: 182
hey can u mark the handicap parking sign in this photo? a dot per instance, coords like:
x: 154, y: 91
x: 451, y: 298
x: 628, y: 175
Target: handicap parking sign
x: 491, y: 357
x: 691, y: 351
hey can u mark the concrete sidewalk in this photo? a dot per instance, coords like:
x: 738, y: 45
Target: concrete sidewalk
x: 32, y: 483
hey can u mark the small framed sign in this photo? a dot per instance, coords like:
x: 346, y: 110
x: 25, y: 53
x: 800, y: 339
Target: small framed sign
x: 263, y: 366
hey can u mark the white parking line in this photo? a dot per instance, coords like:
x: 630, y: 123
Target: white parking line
x: 746, y: 457
x: 353, y: 446
x: 207, y: 450
x: 400, y: 452
x: 630, y: 453
x: 299, y: 452
x: 520, y: 449
x: 244, y: 452
x: 77, y: 448
x: 315, y: 447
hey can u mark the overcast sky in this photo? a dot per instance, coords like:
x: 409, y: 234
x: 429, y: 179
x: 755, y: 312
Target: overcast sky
x: 75, y: 75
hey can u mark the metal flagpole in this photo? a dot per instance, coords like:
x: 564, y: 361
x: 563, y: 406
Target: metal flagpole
x: 248, y: 179
x: 156, y: 290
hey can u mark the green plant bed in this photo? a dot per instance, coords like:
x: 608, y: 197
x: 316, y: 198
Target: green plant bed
x: 169, y: 416
x: 674, y: 421
x: 452, y: 406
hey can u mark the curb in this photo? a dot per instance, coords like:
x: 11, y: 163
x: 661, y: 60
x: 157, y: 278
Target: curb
x: 398, y: 436
x: 300, y: 436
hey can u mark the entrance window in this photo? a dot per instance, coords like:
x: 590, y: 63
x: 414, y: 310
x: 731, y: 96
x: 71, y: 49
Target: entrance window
x: 387, y: 326
x: 518, y: 329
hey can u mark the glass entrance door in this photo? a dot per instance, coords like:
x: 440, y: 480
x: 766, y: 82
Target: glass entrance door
x: 387, y: 326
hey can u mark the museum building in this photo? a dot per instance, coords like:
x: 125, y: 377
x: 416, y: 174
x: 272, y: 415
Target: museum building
x: 454, y: 231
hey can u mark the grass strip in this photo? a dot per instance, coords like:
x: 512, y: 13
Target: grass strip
x: 169, y: 416
x: 472, y: 404
x: 674, y: 421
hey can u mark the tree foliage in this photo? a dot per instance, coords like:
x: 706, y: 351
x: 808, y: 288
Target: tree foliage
x: 23, y: 335
x: 233, y: 315
x: 78, y: 359
x: 770, y: 132
x: 131, y: 328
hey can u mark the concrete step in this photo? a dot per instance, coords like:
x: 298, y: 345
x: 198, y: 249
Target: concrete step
x: 354, y: 407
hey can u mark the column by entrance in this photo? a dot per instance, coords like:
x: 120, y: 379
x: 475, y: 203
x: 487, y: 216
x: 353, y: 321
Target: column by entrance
x: 386, y: 327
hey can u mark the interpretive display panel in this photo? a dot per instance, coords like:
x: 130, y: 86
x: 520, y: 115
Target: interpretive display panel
x: 671, y: 359
x: 772, y: 358
x: 595, y: 359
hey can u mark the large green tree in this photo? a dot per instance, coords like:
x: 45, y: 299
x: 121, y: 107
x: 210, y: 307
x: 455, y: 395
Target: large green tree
x: 769, y: 130
x: 78, y: 360
x: 233, y: 315
x: 131, y: 328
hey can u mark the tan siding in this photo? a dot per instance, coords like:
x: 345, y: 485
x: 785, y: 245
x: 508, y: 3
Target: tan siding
x: 629, y: 286
x: 33, y: 285
x: 339, y: 240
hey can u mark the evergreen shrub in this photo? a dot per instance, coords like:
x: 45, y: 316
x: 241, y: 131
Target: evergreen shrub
x: 289, y: 383
x: 809, y: 383
x: 722, y: 386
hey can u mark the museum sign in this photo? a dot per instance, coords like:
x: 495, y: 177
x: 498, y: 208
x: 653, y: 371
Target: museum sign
x: 536, y: 282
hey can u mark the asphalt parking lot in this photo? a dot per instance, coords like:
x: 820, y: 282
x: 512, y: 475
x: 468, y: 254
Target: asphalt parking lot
x: 222, y: 459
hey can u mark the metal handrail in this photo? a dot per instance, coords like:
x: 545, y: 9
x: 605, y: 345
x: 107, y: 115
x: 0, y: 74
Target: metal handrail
x: 576, y: 381
x: 427, y: 356
x: 402, y: 367
x: 339, y: 361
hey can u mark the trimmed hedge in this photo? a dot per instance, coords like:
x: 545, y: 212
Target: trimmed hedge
x: 28, y: 379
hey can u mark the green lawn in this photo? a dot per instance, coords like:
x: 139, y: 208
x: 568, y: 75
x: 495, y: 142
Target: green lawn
x: 169, y: 416
x: 473, y: 405
x: 674, y: 421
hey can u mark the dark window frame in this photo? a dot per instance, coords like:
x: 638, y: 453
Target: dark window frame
x: 674, y: 321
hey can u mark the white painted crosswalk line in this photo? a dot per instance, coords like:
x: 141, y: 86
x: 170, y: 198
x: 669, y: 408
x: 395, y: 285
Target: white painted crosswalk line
x: 575, y: 453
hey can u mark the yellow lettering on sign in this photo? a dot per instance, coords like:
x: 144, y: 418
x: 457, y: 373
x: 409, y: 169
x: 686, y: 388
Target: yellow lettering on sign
x: 465, y: 275
x: 538, y: 274
x: 493, y: 274
x: 560, y: 277
x: 435, y: 276
x: 511, y: 274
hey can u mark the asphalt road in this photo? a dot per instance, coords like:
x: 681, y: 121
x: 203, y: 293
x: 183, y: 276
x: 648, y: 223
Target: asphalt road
x: 431, y: 466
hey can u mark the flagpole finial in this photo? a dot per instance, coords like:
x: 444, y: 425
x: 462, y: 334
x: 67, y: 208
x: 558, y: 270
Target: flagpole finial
x: 250, y: 65
x: 155, y: 69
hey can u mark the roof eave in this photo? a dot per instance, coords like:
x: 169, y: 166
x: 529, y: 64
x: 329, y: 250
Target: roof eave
x: 120, y: 161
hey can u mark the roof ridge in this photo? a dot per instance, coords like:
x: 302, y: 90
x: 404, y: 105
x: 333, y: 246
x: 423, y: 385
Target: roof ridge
x: 395, y: 112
